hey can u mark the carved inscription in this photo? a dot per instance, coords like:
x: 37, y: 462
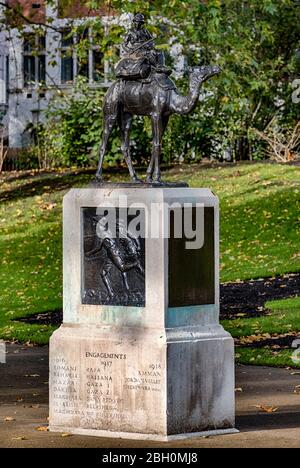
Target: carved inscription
x: 148, y: 380
x: 103, y: 389
x: 65, y: 382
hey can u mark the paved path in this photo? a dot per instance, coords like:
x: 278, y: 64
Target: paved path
x: 24, y: 397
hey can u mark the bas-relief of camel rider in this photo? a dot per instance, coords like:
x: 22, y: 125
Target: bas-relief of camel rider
x: 124, y: 255
x: 139, y: 56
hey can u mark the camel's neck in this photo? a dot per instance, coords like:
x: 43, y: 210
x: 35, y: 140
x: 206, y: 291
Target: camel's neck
x: 186, y: 104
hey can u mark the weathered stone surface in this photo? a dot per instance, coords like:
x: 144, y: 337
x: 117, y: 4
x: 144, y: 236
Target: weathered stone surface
x: 200, y: 377
x: 157, y: 371
x: 144, y: 382
x: 108, y: 379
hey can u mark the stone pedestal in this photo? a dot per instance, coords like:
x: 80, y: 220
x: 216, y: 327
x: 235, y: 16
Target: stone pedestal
x: 150, y: 360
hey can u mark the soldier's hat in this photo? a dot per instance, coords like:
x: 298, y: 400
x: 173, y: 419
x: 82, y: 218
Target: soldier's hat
x: 139, y: 18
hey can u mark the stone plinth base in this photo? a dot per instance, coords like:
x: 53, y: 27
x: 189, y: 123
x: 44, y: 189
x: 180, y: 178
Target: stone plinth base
x: 138, y: 436
x: 141, y: 353
x: 141, y: 383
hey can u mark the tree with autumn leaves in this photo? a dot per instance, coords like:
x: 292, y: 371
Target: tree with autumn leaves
x: 257, y: 45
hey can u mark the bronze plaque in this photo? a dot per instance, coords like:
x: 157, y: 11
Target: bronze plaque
x: 192, y: 272
x: 113, y: 261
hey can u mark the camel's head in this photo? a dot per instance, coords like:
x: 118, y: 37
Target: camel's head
x: 205, y: 72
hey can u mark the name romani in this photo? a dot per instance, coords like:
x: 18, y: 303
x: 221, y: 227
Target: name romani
x: 105, y: 355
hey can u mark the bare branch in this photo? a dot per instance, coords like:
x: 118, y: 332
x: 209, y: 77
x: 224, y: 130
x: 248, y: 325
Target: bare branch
x: 26, y: 19
x: 283, y: 145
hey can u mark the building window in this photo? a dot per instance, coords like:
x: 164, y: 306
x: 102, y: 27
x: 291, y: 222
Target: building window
x: 80, y: 56
x: 97, y: 62
x: 34, y: 60
x: 98, y: 66
x: 67, y: 57
x: 83, y: 46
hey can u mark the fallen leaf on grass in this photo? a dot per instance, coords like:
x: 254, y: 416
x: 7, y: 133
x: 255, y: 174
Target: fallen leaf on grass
x: 266, y: 409
x: 49, y: 206
x: 42, y: 429
x: 28, y: 344
x: 9, y: 419
x: 254, y: 338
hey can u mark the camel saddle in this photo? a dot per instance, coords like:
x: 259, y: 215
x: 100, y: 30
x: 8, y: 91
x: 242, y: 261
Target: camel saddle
x: 132, y: 69
x: 140, y: 70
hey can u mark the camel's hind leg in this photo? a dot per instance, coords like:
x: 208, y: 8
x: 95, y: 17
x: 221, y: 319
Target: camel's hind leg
x: 159, y: 124
x: 109, y: 123
x: 125, y: 121
x: 110, y: 115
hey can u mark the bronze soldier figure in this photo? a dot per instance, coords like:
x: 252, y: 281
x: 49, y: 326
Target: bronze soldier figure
x: 139, y: 56
x: 137, y: 36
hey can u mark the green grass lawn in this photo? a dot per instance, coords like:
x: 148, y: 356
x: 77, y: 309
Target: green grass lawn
x: 260, y: 232
x: 284, y: 318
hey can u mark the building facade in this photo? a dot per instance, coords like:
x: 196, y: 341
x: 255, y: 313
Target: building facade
x: 42, y: 60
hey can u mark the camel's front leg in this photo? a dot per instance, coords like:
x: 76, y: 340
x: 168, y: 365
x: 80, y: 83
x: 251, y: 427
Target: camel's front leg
x: 159, y: 124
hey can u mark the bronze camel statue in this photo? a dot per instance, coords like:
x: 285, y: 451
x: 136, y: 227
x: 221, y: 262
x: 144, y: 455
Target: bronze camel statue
x: 126, y: 98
